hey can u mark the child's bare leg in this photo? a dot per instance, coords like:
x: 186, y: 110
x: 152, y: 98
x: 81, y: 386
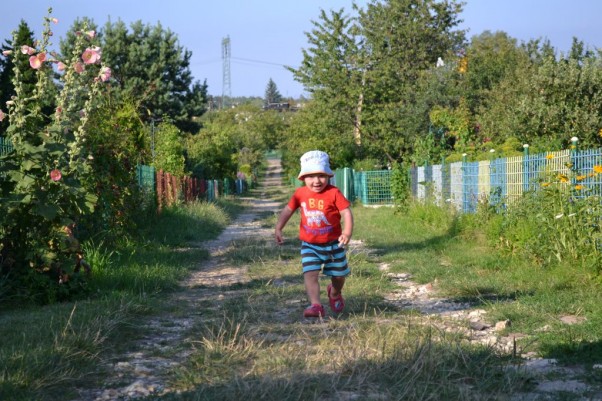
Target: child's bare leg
x: 312, y: 286
x: 337, y: 286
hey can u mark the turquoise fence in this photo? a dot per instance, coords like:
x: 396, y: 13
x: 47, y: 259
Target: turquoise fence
x: 146, y: 176
x: 369, y: 187
x: 5, y: 146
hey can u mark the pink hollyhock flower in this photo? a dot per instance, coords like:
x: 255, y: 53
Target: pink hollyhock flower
x: 61, y: 66
x: 36, y: 61
x: 2, y: 115
x: 78, y: 67
x: 105, y: 74
x: 10, y: 102
x: 27, y: 50
x: 91, y: 55
x: 55, y: 175
x: 90, y: 34
x: 59, y: 110
x: 55, y: 20
x: 7, y: 52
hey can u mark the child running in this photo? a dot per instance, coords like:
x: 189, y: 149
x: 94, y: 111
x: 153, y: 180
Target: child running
x: 323, y: 238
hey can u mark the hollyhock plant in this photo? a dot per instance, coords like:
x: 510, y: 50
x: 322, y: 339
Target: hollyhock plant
x: 34, y: 213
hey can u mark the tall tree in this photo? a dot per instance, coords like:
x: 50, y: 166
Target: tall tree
x: 367, y: 70
x: 272, y: 95
x: 403, y: 39
x: 332, y: 71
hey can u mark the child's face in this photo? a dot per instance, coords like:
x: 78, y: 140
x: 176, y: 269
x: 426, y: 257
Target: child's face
x: 316, y: 182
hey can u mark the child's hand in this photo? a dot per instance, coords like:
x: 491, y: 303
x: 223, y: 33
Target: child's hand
x: 279, y: 237
x: 343, y: 240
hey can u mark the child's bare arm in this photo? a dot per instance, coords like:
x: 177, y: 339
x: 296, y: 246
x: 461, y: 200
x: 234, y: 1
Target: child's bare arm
x: 284, y: 217
x: 347, y: 218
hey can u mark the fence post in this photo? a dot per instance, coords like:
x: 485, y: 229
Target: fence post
x: 573, y: 153
x: 526, y: 175
x: 465, y: 199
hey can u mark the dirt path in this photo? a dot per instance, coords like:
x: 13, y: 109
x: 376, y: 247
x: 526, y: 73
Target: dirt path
x: 145, y: 370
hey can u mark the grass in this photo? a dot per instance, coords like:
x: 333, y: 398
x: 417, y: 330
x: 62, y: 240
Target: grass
x: 251, y: 343
x: 46, y: 352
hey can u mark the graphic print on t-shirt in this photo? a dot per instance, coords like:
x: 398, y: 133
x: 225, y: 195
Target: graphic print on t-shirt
x: 314, y: 218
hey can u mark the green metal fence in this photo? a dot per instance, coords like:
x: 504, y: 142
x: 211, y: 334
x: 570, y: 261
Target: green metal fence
x: 5, y: 146
x: 373, y: 187
x: 146, y: 176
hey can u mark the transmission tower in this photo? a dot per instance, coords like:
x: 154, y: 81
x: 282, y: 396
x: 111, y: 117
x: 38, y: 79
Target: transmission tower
x: 226, y: 90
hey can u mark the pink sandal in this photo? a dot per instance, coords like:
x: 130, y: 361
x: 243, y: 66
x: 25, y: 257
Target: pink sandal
x: 337, y: 304
x: 315, y: 310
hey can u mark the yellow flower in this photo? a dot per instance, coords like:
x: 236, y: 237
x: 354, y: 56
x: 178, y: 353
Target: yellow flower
x: 549, y: 156
x: 579, y: 187
x: 600, y: 132
x: 545, y: 184
x: 597, y: 169
x: 563, y: 178
x: 463, y: 65
x: 581, y: 177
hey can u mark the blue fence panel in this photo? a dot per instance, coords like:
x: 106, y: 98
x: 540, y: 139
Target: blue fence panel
x: 583, y: 164
x: 414, y: 181
x: 534, y: 165
x: 499, y: 181
x: 470, y: 186
x: 446, y: 188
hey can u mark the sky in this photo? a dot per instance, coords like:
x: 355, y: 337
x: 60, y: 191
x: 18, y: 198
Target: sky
x: 266, y: 35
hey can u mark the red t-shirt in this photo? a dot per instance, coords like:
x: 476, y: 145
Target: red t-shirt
x: 320, y: 213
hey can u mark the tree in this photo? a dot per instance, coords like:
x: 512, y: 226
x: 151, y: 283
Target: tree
x: 403, y: 39
x: 332, y: 71
x: 366, y: 71
x: 148, y: 64
x: 271, y: 93
x: 491, y: 57
x: 547, y: 100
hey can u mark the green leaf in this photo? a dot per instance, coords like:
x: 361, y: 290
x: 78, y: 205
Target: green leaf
x: 47, y: 211
x: 28, y: 165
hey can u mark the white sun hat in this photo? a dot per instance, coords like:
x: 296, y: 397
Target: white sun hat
x: 315, y: 162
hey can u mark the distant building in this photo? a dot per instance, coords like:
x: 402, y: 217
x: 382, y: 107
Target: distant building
x: 280, y: 107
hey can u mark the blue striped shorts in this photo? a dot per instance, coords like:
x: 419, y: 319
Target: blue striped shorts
x: 329, y: 255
